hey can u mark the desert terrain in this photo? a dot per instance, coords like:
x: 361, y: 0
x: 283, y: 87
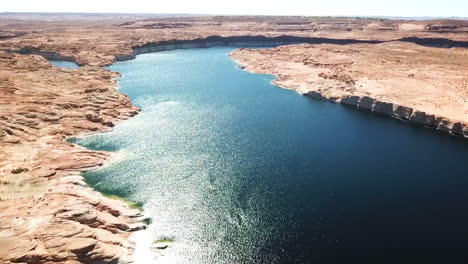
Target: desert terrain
x: 413, y: 70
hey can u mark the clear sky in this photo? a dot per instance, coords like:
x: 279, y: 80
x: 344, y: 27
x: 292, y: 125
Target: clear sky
x: 248, y: 7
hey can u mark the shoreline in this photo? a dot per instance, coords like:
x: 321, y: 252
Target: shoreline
x: 444, y: 126
x: 412, y: 115
x: 240, y: 41
x: 259, y: 41
x: 403, y: 112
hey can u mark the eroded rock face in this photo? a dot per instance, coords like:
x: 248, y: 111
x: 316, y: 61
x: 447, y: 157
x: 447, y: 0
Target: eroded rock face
x: 445, y: 125
x: 93, y: 117
x: 366, y: 103
x: 350, y: 100
x: 315, y: 95
x: 423, y: 119
x: 383, y: 108
x: 402, y: 112
x: 48, y: 214
x: 458, y: 129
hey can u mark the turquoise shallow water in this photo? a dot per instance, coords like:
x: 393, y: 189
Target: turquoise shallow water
x: 236, y: 170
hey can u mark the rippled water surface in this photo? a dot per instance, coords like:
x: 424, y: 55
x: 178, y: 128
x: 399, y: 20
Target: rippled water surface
x: 236, y: 170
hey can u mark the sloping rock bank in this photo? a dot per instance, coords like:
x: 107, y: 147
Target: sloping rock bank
x: 403, y: 113
x: 47, y: 212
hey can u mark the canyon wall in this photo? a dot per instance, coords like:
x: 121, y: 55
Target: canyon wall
x: 404, y: 113
x: 256, y: 41
x: 232, y: 41
x: 265, y: 41
x: 49, y: 55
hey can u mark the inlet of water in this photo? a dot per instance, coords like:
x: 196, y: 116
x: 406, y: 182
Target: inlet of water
x: 64, y: 64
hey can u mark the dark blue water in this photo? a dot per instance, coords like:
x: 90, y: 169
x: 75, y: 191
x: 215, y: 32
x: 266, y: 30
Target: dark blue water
x: 64, y: 64
x: 236, y: 170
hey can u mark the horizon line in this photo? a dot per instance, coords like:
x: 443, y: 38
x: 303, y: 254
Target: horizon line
x: 208, y: 14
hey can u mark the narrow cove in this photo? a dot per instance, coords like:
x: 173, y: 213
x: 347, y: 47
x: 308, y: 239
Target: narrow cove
x: 235, y: 170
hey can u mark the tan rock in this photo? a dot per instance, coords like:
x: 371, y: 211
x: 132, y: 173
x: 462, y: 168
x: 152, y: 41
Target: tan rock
x: 80, y: 245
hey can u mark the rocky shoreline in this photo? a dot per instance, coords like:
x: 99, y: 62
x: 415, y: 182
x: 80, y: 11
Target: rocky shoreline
x: 230, y: 41
x: 453, y: 127
x: 334, y: 81
x: 404, y: 113
x: 48, y: 213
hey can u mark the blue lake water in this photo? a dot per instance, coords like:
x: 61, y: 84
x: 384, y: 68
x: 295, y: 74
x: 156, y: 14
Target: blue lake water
x: 64, y: 64
x: 236, y: 170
